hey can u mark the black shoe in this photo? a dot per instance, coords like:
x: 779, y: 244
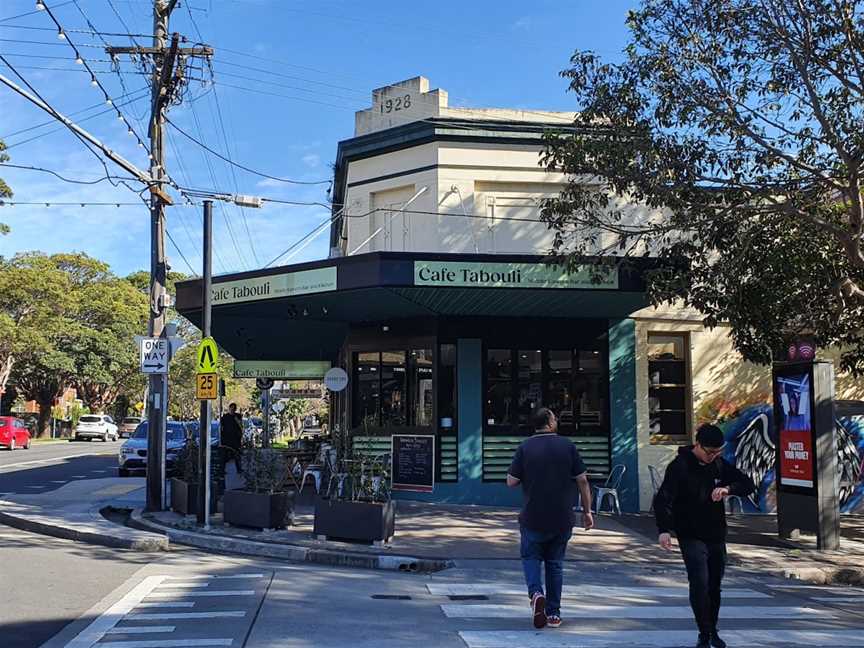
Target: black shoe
x: 704, y: 641
x: 716, y: 641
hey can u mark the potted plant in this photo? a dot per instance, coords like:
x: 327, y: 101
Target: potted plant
x: 265, y: 501
x: 184, y: 483
x: 362, y: 511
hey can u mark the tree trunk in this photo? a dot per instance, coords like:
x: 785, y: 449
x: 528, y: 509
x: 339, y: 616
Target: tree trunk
x: 42, y: 427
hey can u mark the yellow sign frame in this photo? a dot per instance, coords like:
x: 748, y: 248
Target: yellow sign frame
x: 206, y: 386
x: 207, y: 356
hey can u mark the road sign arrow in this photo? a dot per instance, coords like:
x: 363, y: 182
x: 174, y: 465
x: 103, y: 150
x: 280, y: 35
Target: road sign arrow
x: 154, y: 366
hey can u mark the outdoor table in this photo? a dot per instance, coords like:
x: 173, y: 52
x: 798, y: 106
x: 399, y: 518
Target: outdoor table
x: 301, y: 458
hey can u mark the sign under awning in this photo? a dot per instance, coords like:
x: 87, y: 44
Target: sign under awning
x: 281, y: 369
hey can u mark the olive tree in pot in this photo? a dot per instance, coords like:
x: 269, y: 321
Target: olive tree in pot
x: 265, y: 501
x: 360, y: 509
x: 185, y: 482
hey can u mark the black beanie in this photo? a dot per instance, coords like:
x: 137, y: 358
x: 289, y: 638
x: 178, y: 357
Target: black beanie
x: 710, y: 436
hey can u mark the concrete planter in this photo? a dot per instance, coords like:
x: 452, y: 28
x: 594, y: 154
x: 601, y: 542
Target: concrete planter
x: 184, y: 497
x: 258, y: 510
x: 357, y: 521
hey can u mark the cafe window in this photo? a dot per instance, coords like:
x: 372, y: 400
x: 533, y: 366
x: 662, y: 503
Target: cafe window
x: 499, y: 386
x: 393, y: 388
x: 448, y: 408
x: 668, y: 388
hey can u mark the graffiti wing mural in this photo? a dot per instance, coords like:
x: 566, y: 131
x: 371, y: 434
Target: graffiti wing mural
x: 755, y: 453
x: 848, y: 462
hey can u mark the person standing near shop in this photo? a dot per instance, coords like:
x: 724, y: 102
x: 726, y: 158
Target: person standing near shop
x: 691, y: 503
x: 231, y: 425
x: 549, y: 469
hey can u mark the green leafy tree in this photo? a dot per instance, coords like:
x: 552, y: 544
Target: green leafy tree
x: 5, y: 191
x: 734, y: 126
x: 77, y: 330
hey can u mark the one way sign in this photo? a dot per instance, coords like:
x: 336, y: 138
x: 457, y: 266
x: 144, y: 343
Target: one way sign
x: 154, y: 355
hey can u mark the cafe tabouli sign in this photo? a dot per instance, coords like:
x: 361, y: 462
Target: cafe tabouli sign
x: 472, y: 274
x: 304, y: 282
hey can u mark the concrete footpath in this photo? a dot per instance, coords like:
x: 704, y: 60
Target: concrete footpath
x: 429, y: 537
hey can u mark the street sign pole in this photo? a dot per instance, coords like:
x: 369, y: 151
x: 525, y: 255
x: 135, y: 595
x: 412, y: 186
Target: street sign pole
x: 204, y: 430
x: 266, y: 434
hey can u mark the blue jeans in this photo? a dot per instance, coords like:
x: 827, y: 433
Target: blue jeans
x: 545, y: 547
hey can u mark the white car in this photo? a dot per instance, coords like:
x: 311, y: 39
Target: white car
x: 96, y: 426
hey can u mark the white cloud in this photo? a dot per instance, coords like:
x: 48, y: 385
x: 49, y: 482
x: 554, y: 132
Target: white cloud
x: 312, y: 160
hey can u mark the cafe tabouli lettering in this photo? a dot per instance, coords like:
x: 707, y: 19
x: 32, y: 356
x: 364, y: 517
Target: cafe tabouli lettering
x: 466, y: 275
x: 241, y: 292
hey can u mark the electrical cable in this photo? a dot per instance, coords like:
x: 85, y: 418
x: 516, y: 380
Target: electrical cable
x: 65, y: 179
x: 241, y: 166
x: 34, y: 12
x: 86, y: 32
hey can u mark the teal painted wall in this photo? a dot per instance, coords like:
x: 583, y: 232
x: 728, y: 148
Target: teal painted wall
x: 622, y: 395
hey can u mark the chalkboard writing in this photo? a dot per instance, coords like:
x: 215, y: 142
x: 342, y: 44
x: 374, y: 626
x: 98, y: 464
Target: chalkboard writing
x: 413, y: 463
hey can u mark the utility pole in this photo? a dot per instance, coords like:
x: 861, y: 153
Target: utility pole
x: 204, y: 484
x: 164, y: 82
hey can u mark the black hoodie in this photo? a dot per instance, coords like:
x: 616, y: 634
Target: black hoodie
x: 683, y: 504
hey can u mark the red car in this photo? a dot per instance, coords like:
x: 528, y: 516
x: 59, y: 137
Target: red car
x: 14, y: 433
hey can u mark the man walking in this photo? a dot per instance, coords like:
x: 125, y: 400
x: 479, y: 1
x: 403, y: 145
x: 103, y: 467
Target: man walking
x: 549, y: 469
x: 690, y: 502
x: 232, y: 436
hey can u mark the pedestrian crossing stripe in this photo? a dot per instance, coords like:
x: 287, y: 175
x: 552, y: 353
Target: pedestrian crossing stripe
x: 647, y: 593
x: 593, y: 611
x: 583, y: 638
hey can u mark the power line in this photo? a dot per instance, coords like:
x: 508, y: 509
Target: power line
x: 180, y: 252
x: 241, y: 166
x: 31, y: 13
x: 87, y: 32
x: 63, y: 178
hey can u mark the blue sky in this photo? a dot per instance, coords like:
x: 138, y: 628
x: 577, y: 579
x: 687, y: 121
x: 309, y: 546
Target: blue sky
x: 323, y: 57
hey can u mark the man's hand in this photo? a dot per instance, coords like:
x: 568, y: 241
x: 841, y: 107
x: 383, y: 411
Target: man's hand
x: 666, y: 541
x: 587, y: 520
x: 719, y: 493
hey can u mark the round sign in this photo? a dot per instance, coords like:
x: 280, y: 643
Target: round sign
x: 792, y: 352
x: 336, y: 379
x: 263, y: 383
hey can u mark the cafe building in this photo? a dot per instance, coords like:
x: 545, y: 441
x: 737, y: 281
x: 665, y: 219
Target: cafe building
x: 437, y: 301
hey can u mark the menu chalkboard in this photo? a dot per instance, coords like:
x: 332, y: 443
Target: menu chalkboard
x: 413, y: 463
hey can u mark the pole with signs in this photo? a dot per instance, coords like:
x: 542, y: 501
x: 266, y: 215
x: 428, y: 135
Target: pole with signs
x: 265, y: 384
x: 207, y: 356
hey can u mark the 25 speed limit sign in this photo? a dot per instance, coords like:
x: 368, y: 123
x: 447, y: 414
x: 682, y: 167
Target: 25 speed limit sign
x: 206, y: 386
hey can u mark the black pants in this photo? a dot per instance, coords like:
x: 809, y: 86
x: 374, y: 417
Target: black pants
x: 706, y: 564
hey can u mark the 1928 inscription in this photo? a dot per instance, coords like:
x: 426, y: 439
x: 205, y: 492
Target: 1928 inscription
x: 397, y: 104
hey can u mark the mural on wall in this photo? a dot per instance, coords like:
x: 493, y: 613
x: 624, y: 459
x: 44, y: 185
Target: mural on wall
x: 751, y: 446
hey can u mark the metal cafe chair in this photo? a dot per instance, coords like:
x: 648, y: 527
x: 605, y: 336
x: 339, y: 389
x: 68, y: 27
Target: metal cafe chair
x: 610, y: 489
x: 315, y: 470
x: 337, y: 476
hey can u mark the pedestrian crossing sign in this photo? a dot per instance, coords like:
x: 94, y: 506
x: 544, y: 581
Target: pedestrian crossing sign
x: 208, y: 356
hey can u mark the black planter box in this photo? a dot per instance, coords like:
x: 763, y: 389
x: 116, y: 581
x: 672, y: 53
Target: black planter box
x: 184, y: 497
x: 258, y: 510
x: 357, y: 521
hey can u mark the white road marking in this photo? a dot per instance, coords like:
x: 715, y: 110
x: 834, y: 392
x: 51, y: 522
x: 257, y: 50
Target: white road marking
x: 168, y: 643
x: 581, y: 591
x: 183, y: 585
x: 588, y: 611
x: 114, y: 614
x: 165, y: 616
x: 141, y: 629
x: 583, y: 638
x: 189, y: 593
x: 822, y: 588
x: 54, y: 460
x: 838, y: 599
x: 217, y: 576
x: 79, y: 476
x: 167, y: 604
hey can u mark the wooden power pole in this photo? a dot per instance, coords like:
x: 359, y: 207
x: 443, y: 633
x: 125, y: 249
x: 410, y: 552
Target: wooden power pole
x: 166, y: 78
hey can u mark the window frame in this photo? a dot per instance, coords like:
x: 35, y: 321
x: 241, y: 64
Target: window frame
x: 683, y: 338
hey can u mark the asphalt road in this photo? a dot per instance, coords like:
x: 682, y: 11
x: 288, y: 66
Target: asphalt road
x: 47, y: 467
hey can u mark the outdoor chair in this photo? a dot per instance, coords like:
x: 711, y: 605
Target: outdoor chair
x: 315, y: 470
x: 374, y: 477
x: 729, y: 503
x: 337, y: 476
x: 610, y: 489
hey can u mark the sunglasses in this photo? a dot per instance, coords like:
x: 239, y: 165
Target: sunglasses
x: 712, y: 452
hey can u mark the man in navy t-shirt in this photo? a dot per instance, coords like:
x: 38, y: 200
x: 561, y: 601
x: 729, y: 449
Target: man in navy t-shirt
x: 549, y: 469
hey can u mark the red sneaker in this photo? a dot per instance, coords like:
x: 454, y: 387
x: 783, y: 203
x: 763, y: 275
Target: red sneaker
x: 538, y: 609
x: 554, y: 621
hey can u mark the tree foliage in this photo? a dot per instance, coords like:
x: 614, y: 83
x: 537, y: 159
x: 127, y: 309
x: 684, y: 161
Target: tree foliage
x: 736, y: 125
x: 5, y: 191
x: 70, y: 323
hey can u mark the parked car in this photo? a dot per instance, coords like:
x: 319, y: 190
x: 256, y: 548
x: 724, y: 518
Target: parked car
x: 14, y: 433
x: 133, y: 453
x: 96, y: 426
x: 128, y: 425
